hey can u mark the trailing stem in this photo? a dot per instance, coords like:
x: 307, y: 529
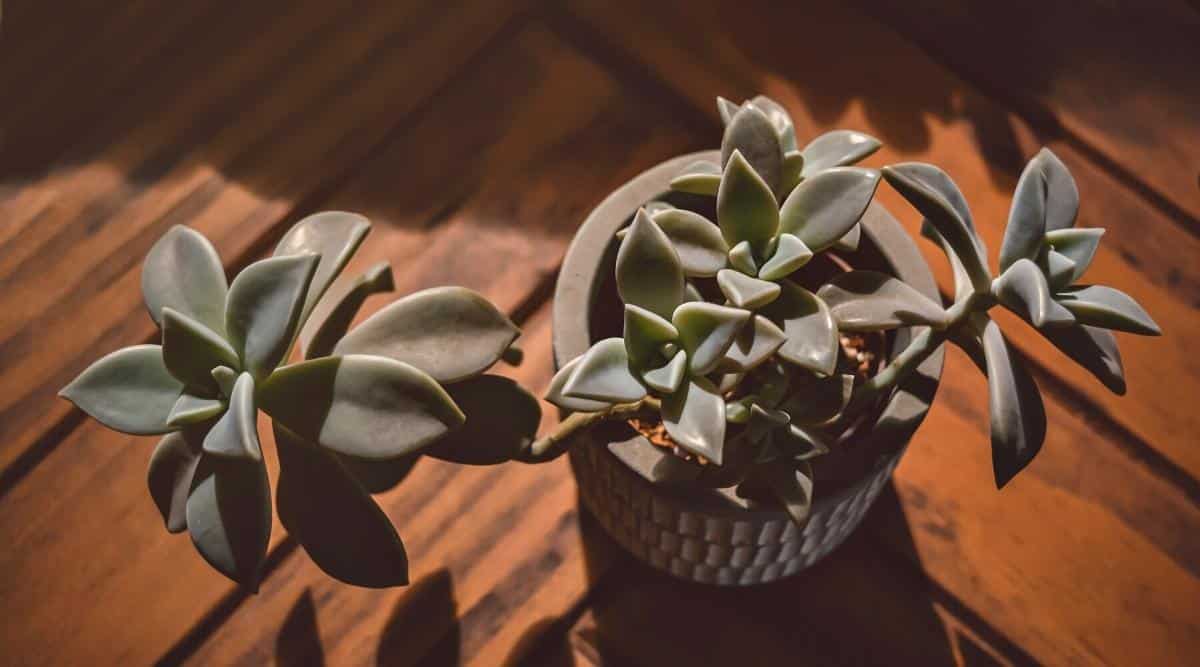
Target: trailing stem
x: 553, y: 444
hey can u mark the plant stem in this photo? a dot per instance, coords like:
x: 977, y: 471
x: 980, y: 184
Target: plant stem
x: 553, y: 444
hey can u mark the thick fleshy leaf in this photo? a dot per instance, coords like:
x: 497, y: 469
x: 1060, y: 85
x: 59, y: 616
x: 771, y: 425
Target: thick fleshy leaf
x: 746, y: 208
x: 191, y: 350
x: 331, y: 515
x: 236, y: 433
x: 332, y: 235
x: 182, y: 271
x: 699, y: 178
x: 741, y: 257
x: 1018, y: 417
x: 366, y: 406
x: 229, y: 516
x: 935, y: 196
x: 648, y: 270
x: 695, y: 417
x: 331, y: 319
x: 502, y: 419
x: 380, y: 475
x: 225, y: 377
x: 780, y: 119
x: 790, y: 254
x: 817, y: 400
x: 603, y: 375
x: 962, y: 281
x: 754, y: 344
x: 644, y: 336
x: 1093, y: 348
x: 874, y: 301
x: 706, y: 331
x: 1076, y: 244
x: 836, y: 149
x: 1026, y: 227
x: 1058, y: 269
x: 727, y: 109
x: 129, y: 390
x: 698, y: 242
x: 850, y: 240
x: 1023, y: 289
x: 450, y: 333
x: 751, y: 134
x: 824, y: 208
x: 802, y: 443
x: 792, y: 487
x: 191, y: 409
x: 1100, y: 306
x: 812, y: 334
x: 667, y: 378
x: 169, y: 477
x: 263, y: 311
x: 792, y: 172
x: 1062, y: 195
x: 744, y: 291
x: 555, y: 395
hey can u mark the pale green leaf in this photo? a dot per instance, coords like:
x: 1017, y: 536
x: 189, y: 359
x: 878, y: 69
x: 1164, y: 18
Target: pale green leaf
x: 603, y: 375
x: 229, y: 516
x: 727, y: 109
x: 790, y: 254
x: 741, y: 257
x: 648, y: 270
x: 182, y: 271
x: 751, y: 134
x: 169, y: 476
x: 331, y: 319
x: 1018, y: 417
x: 366, y: 406
x: 850, y: 240
x: 236, y: 433
x: 334, y: 236
x: 823, y: 208
x: 1078, y: 245
x: 1093, y: 348
x: 191, y: 409
x: 836, y: 149
x: 695, y: 417
x: 502, y: 420
x: 1100, y: 306
x: 555, y: 395
x: 645, y: 333
x: 812, y: 334
x: 698, y: 242
x: 698, y: 178
x: 874, y: 301
x: 780, y: 119
x: 744, y: 291
x: 1023, y: 289
x: 129, y: 390
x: 191, y: 350
x: 263, y: 311
x: 754, y: 344
x: 1062, y: 195
x: 792, y: 486
x: 746, y: 208
x: 706, y: 331
x: 1058, y: 269
x: 225, y: 377
x: 450, y: 333
x: 667, y: 378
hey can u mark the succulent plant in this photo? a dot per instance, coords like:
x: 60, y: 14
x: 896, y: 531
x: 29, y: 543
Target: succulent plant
x: 409, y: 380
x: 750, y: 384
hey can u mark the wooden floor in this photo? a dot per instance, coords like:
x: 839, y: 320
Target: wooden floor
x: 477, y: 134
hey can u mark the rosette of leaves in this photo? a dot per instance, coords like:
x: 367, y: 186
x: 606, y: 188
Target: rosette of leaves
x: 763, y: 132
x: 347, y: 420
x: 1042, y: 255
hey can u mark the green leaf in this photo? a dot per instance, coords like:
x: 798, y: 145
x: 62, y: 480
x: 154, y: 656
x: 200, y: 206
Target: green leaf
x: 555, y: 395
x: 172, y: 466
x: 129, y: 390
x: 873, y: 301
x: 502, y: 419
x: 380, y: 475
x: 450, y: 333
x: 754, y: 344
x: 191, y: 409
x: 1023, y: 289
x: 1093, y: 348
x: 751, y: 134
x: 1062, y: 195
x: 746, y: 208
x: 780, y: 119
x: 1077, y: 245
x: 706, y: 331
x: 824, y: 208
x: 263, y: 311
x: 182, y: 271
x: 792, y: 486
x: 1015, y: 405
x: 698, y: 178
x: 644, y: 336
x: 812, y: 335
x: 648, y: 271
x: 936, y: 197
x: 603, y: 375
x: 698, y: 242
x: 817, y: 400
x: 802, y: 443
x: 850, y: 240
x: 1026, y: 227
x: 191, y: 350
x: 1058, y: 269
x: 236, y: 433
x: 1100, y: 306
x: 792, y: 172
x: 333, y: 236
x: 668, y: 377
x: 330, y: 514
x: 225, y: 377
x: 229, y: 516
x: 790, y: 254
x: 744, y: 291
x: 365, y: 406
x: 727, y: 109
x: 741, y: 257
x: 331, y: 319
x: 836, y: 149
x: 962, y: 281
x: 695, y: 417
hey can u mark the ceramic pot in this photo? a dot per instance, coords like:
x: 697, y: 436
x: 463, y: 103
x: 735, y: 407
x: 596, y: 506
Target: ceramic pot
x: 711, y: 535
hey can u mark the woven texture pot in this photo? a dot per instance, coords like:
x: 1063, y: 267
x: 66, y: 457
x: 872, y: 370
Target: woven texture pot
x: 707, y: 535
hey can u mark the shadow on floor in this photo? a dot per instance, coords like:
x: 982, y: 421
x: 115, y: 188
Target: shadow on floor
x: 861, y: 605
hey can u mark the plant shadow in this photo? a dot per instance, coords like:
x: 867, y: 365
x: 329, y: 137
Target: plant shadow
x: 865, y: 604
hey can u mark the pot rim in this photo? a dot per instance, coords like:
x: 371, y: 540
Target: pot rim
x: 578, y: 282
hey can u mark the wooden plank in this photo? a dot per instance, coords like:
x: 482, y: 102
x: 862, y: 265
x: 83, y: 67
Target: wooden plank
x: 1118, y: 78
x: 278, y: 122
x: 937, y: 118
